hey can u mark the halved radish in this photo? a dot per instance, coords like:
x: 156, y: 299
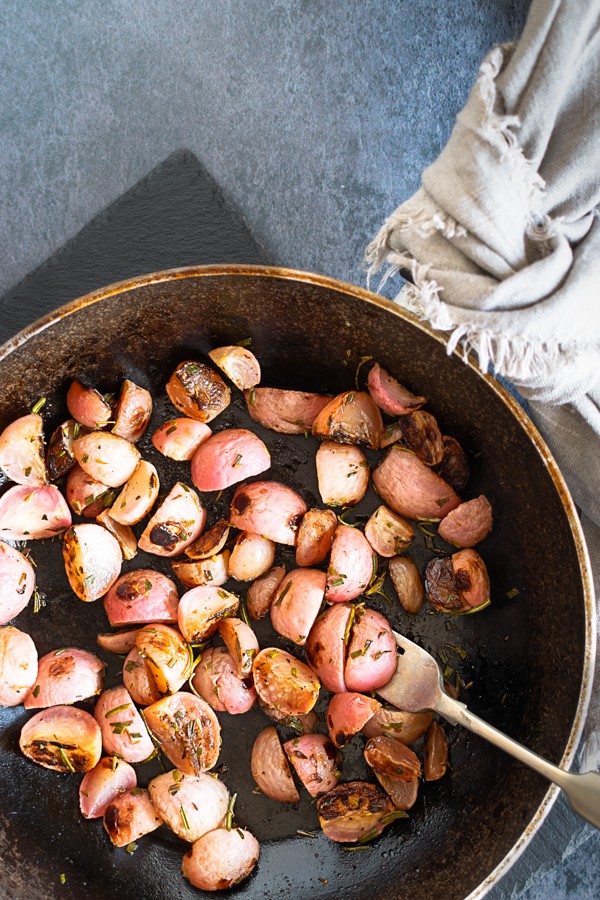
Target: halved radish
x: 251, y: 557
x: 187, y: 731
x: 289, y: 412
x: 88, y: 406
x: 239, y: 364
x: 92, y: 560
x: 228, y: 457
x: 63, y: 738
x: 347, y: 714
x: 177, y: 522
x: 18, y: 665
x: 198, y: 391
x: 314, y: 758
x: 180, y: 438
x: 109, y: 777
x: 33, y: 513
x: 140, y: 597
x: 132, y: 412
x: 297, y: 603
x: 389, y: 395
x: 342, y: 473
x: 17, y: 582
x: 129, y: 816
x: 352, y: 565
x: 137, y: 496
x: 65, y: 676
x: 201, y: 610
x: 270, y: 768
x: 268, y: 508
x: 106, y: 457
x: 411, y: 488
x: 350, y: 418
x: 22, y: 451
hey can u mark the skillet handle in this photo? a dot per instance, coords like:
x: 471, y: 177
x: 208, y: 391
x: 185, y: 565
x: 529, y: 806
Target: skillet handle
x: 583, y: 791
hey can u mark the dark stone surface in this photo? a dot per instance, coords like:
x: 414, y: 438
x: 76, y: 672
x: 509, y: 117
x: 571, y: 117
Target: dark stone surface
x: 314, y: 118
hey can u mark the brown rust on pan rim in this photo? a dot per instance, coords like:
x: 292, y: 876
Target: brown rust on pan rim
x: 532, y: 433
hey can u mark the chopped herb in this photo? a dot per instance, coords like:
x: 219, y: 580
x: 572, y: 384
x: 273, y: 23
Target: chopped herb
x: 426, y: 531
x: 39, y: 404
x: 335, y: 583
x: 361, y: 362
x: 229, y: 816
x: 245, y: 342
x: 252, y: 397
x: 457, y: 649
x: 237, y: 461
x: 117, y: 709
x: 65, y: 760
x: 131, y: 848
x: 365, y: 838
x: 294, y: 671
x: 223, y: 594
x: 39, y: 600
x: 171, y: 429
x: 283, y: 593
x: 441, y: 501
x: 305, y: 833
x: 349, y: 399
x: 36, y: 690
x: 353, y: 849
x: 84, y: 458
x: 184, y: 818
x: 62, y: 876
x: 243, y: 613
x: 27, y: 471
x: 119, y: 727
x: 514, y: 592
x: 273, y: 653
x: 349, y: 624
x: 392, y: 816
x: 114, y: 763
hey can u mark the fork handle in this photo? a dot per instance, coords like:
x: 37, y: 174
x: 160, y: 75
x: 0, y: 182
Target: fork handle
x: 583, y: 791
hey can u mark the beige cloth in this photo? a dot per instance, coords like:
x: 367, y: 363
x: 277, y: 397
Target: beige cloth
x: 503, y: 241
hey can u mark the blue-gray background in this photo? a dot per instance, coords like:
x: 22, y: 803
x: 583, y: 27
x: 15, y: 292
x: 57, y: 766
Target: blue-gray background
x: 316, y: 117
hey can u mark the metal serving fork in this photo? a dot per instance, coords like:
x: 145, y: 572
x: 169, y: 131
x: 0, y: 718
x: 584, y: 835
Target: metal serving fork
x: 418, y: 685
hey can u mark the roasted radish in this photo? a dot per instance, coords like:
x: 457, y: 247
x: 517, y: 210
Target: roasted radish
x: 371, y: 655
x: 210, y: 541
x: 347, y: 714
x: 22, y: 451
x: 408, y: 583
x: 251, y: 557
x: 124, y: 732
x: 436, y: 753
x: 405, y: 727
x: 342, y: 472
x: 262, y: 592
x: 137, y: 496
x: 389, y: 395
x: 88, y: 406
x: 198, y: 391
x: 297, y: 603
x: 132, y: 412
x: 18, y: 665
x: 241, y: 643
x: 315, y: 536
x: 129, y: 816
x: 85, y: 496
x: 167, y: 655
x: 59, y: 455
x: 118, y: 642
x: 33, y: 513
x: 455, y: 466
x: 354, y: 810
x: 191, y: 805
x: 92, y: 560
x: 228, y: 457
x: 139, y: 680
x: 393, y: 758
x: 352, y: 565
x: 270, y: 768
x: 17, y: 582
x: 411, y: 488
x: 213, y: 571
x: 201, y: 610
x: 289, y: 412
x: 268, y: 508
x: 350, y: 418
x: 326, y: 645
x: 65, y: 676
x: 388, y: 533
x: 314, y: 758
x: 239, y: 364
x: 106, y: 457
x: 142, y: 596
x: 63, y: 738
x: 458, y: 584
x: 109, y: 778
x: 403, y: 794
x: 420, y: 433
x: 468, y: 524
x: 180, y: 438
x: 177, y: 522
x: 122, y: 533
x: 221, y: 859
x: 216, y: 681
x: 187, y: 731
x: 284, y: 682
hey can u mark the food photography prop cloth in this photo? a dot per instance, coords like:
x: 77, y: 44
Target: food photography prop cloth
x: 502, y: 242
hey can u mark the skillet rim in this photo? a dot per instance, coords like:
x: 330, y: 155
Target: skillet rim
x: 279, y: 272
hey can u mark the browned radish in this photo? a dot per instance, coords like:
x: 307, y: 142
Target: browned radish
x: 289, y: 412
x: 63, y: 738
x: 268, y: 508
x: 139, y: 680
x: 239, y: 364
x: 33, y: 513
x: 106, y: 457
x: 251, y: 557
x: 389, y: 395
x: 420, y: 433
x: 197, y: 391
x: 180, y: 438
x: 228, y: 457
x: 241, y: 642
x: 297, y: 603
x: 315, y: 536
x: 342, y: 473
x: 118, y: 642
x: 124, y: 732
x: 85, y: 496
x: 350, y: 418
x: 88, y: 406
x: 436, y: 753
x: 458, y: 584
x: 405, y: 727
x: 262, y: 591
x: 129, y: 816
x: 167, y: 655
x: 122, y: 533
x: 132, y: 412
x: 92, y: 560
x: 109, y: 778
x: 371, y: 655
x: 187, y: 731
x: 59, y: 455
x: 137, y: 496
x: 403, y: 794
x: 307, y: 724
x: 326, y: 645
x: 201, y: 610
x: 354, y: 810
x: 213, y: 571
x: 387, y: 533
x: 468, y: 524
x: 18, y: 665
x: 314, y: 758
x: 177, y: 522
x: 411, y: 488
x: 352, y: 565
x: 455, y: 466
x: 390, y: 757
x: 191, y: 805
x: 140, y: 597
x: 347, y: 714
x: 221, y: 859
x: 284, y: 682
x: 210, y: 541
x: 270, y: 768
x: 408, y: 583
x: 216, y: 681
x: 17, y: 582
x: 22, y: 451
x: 65, y: 676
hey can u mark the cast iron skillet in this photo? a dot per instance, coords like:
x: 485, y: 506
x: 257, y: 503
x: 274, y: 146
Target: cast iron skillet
x: 529, y: 657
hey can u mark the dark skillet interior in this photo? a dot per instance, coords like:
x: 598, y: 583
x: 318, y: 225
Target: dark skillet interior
x: 524, y: 655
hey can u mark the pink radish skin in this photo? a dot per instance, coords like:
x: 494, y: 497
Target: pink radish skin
x: 204, y: 801
x: 33, y: 513
x: 372, y: 655
x: 326, y: 646
x: 297, y: 603
x: 221, y: 859
x: 106, y: 457
x: 347, y: 714
x: 180, y: 438
x: 88, y: 406
x: 228, y: 457
x: 18, y: 665
x: 17, y: 582
x: 389, y: 395
x: 22, y: 451
x: 468, y: 524
x: 411, y: 488
x: 351, y: 565
x: 270, y: 768
x: 178, y: 521
x: 65, y: 676
x: 289, y: 412
x: 268, y: 508
x: 133, y: 411
x: 142, y: 596
x: 123, y: 730
x: 109, y: 778
x: 84, y: 494
x: 217, y: 682
x: 315, y: 536
x: 314, y: 758
x: 129, y: 816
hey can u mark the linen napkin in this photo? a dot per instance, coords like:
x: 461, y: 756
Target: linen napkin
x: 503, y: 243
